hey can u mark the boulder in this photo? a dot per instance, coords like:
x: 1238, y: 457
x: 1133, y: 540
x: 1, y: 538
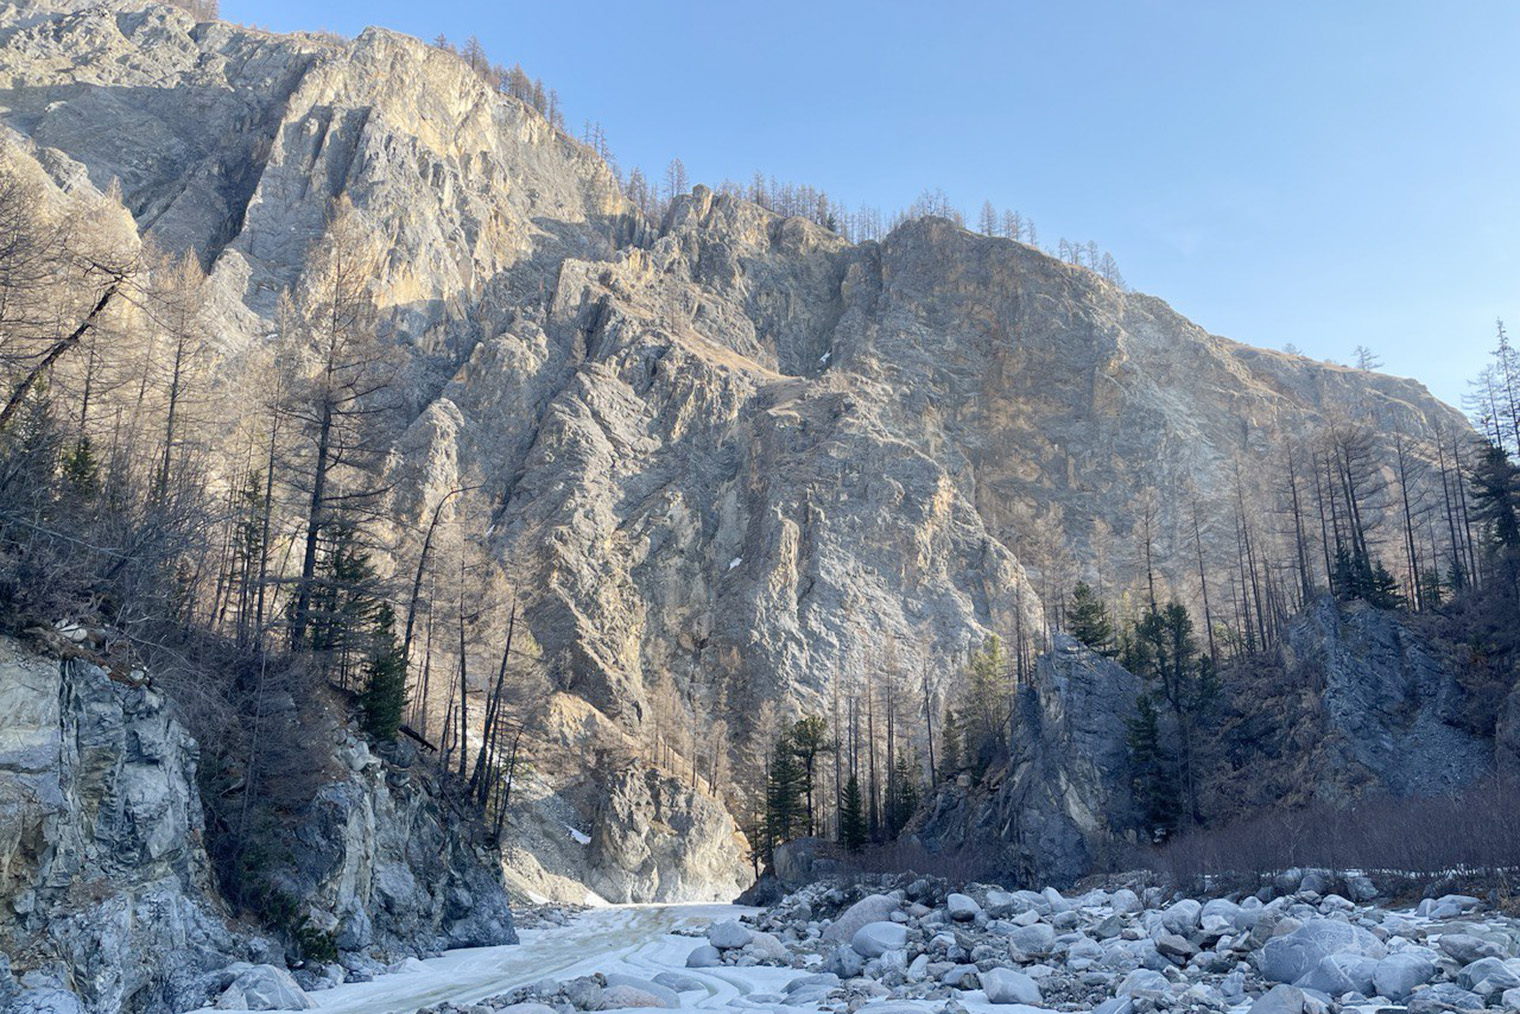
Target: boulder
x: 1339, y: 974
x: 1294, y: 955
x: 873, y: 908
x: 1182, y: 918
x: 1124, y: 900
x: 1464, y: 948
x: 1033, y: 941
x: 962, y: 907
x: 1488, y: 976
x: 728, y: 935
x: 706, y: 956
x: 583, y: 992
x: 1004, y: 985
x: 1178, y: 948
x: 1142, y: 980
x: 1279, y: 1000
x: 619, y: 997
x: 845, y: 962
x: 876, y: 938
x: 1443, y: 998
x: 680, y: 983
x: 668, y: 997
x: 264, y: 987
x: 1397, y: 975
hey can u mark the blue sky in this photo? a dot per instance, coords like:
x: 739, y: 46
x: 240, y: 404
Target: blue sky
x: 1329, y: 175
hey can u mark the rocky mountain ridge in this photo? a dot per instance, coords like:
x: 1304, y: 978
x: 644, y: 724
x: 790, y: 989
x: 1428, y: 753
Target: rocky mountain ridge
x: 726, y: 447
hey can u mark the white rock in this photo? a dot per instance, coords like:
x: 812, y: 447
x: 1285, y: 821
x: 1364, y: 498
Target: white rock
x: 706, y: 956
x: 876, y: 938
x: 728, y: 935
x: 962, y: 907
x: 1005, y: 985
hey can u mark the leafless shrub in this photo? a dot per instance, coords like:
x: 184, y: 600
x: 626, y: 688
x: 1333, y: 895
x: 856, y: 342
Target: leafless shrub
x: 1474, y: 833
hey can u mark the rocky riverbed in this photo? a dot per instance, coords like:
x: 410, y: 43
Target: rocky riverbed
x: 1308, y: 943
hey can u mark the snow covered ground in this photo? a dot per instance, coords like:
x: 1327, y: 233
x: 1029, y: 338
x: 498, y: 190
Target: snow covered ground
x: 632, y: 939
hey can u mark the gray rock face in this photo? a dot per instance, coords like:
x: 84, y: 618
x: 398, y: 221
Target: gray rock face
x: 100, y: 838
x: 105, y: 866
x: 1069, y: 795
x: 654, y: 838
x: 388, y: 869
x: 1385, y: 702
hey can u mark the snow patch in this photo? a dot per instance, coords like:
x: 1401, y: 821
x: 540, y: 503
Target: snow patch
x: 735, y: 562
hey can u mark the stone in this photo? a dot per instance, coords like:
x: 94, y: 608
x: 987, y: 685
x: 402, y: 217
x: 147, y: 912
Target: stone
x: 1142, y: 980
x: 766, y: 947
x: 875, y: 938
x: 1178, y: 948
x: 618, y: 997
x: 872, y: 908
x: 1033, y: 941
x: 45, y: 1000
x: 1338, y: 974
x: 1004, y: 986
x: 1115, y: 1005
x: 1182, y: 918
x: 1487, y: 976
x: 1281, y: 999
x: 845, y: 962
x: 1290, y: 957
x: 583, y: 993
x: 667, y: 996
x: 1464, y: 948
x: 680, y: 983
x: 1442, y: 998
x: 264, y: 987
x: 1397, y: 975
x: 728, y: 935
x: 705, y: 956
x: 962, y: 908
x: 1125, y: 901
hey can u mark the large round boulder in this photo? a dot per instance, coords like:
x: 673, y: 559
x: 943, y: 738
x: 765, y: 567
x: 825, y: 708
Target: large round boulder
x: 1292, y: 956
x: 876, y: 938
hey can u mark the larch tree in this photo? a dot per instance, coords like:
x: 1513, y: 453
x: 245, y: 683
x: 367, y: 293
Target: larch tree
x: 341, y: 392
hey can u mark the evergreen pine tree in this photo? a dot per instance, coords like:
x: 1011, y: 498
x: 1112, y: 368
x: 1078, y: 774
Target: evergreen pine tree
x: 1087, y: 620
x: 951, y: 754
x: 784, y: 814
x: 1155, y: 790
x: 81, y: 471
x: 852, y: 818
x: 1496, y: 496
x: 902, y: 797
x: 383, y: 697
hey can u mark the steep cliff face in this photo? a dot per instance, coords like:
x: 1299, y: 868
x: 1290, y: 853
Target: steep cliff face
x: 102, y: 866
x: 1063, y: 801
x: 104, y: 875
x: 728, y: 447
x: 1354, y: 701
